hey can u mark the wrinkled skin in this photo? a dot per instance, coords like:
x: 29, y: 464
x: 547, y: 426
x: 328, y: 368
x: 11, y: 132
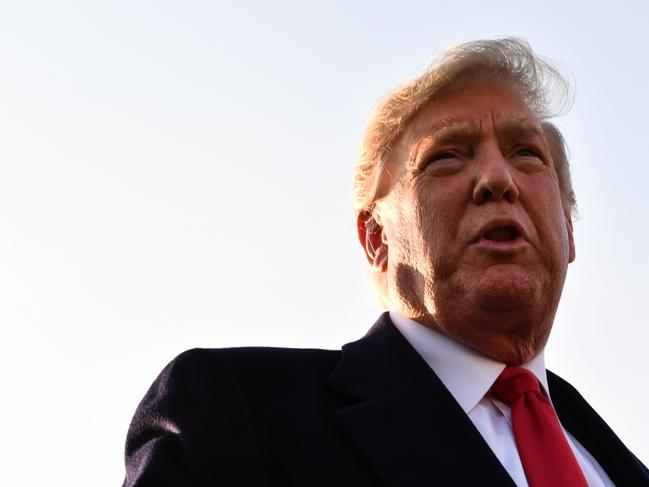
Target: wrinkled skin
x: 475, y: 158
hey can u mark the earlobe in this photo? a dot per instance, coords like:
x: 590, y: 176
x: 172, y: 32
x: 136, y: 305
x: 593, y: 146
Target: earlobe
x: 372, y: 238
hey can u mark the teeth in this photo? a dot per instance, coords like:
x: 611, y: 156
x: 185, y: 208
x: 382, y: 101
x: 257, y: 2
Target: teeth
x: 504, y: 234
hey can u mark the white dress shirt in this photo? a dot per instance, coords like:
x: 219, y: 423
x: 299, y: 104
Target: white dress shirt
x: 468, y: 375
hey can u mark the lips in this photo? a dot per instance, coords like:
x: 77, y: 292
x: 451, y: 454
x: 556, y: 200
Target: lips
x: 501, y: 234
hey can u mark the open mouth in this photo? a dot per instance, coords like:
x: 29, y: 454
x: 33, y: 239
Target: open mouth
x: 502, y: 234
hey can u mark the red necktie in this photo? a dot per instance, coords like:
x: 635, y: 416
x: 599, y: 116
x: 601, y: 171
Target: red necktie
x: 546, y: 456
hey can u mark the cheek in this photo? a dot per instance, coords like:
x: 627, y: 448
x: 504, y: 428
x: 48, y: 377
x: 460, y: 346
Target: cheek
x: 400, y: 223
x: 442, y: 209
x: 410, y: 229
x: 436, y: 225
x: 546, y: 210
x: 426, y: 218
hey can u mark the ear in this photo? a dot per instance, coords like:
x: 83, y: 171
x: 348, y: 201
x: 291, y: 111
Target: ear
x: 571, y: 239
x: 372, y: 238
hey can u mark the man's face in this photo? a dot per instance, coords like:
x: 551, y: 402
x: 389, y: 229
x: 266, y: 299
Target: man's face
x: 477, y: 240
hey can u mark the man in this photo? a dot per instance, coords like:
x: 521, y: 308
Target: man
x: 464, y: 204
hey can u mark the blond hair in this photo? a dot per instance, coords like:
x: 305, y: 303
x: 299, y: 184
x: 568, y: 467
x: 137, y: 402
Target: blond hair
x: 510, y: 60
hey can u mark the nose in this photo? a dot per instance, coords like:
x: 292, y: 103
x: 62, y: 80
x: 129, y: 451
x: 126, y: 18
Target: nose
x: 494, y: 180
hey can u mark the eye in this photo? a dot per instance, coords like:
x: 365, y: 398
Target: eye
x: 527, y: 152
x: 439, y: 156
x: 442, y: 163
x: 528, y: 158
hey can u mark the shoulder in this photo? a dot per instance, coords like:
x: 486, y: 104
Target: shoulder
x: 207, y: 404
x: 253, y: 360
x: 201, y: 385
x: 248, y: 370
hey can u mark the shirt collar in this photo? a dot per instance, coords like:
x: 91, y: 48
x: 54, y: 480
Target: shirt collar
x: 466, y: 373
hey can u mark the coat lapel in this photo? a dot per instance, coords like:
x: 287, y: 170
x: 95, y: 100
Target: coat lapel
x: 404, y: 421
x: 595, y: 435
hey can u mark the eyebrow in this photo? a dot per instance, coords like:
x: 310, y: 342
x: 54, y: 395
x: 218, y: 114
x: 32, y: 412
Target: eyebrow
x: 523, y: 127
x: 446, y: 131
x: 450, y: 130
x: 453, y: 130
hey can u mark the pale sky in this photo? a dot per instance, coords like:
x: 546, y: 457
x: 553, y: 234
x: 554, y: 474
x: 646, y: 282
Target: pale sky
x: 178, y: 174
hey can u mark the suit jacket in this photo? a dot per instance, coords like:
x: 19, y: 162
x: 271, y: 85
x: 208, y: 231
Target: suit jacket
x: 372, y: 414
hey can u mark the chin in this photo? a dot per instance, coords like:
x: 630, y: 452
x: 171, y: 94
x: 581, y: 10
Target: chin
x: 515, y: 352
x: 504, y: 313
x: 506, y: 337
x: 506, y: 289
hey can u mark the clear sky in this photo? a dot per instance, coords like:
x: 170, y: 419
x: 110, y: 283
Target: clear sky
x: 178, y: 174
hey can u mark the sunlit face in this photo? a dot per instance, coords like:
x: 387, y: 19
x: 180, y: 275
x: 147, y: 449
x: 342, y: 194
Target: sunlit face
x: 476, y: 238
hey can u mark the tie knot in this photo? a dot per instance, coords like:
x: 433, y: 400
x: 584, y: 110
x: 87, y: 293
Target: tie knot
x: 512, y: 383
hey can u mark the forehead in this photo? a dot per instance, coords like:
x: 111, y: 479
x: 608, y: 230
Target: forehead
x: 471, y: 105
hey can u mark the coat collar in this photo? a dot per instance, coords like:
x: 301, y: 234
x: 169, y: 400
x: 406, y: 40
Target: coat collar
x: 594, y: 434
x: 402, y: 418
